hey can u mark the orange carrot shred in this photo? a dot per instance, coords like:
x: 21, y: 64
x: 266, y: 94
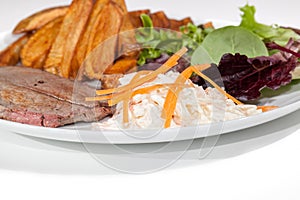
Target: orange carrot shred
x: 197, y: 71
x: 267, y: 108
x: 163, y: 69
x: 128, y: 96
x: 116, y: 98
x: 171, y: 99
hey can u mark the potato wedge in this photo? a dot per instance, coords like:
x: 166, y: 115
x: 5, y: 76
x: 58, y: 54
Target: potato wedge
x: 127, y: 47
x: 108, y: 24
x: 81, y: 49
x: 160, y: 20
x: 39, y: 44
x: 11, y: 55
x: 176, y: 24
x: 187, y: 20
x: 94, y: 21
x: 62, y: 51
x: 135, y: 17
x: 93, y: 66
x: 121, y: 66
x: 39, y: 62
x: 122, y: 5
x: 39, y: 19
x: 126, y: 38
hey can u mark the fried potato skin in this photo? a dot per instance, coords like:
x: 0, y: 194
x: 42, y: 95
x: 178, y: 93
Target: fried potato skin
x: 38, y: 46
x: 111, y: 18
x: 63, y: 49
x: 127, y: 43
x: 121, y: 66
x: 39, y: 19
x: 11, y: 55
x: 160, y: 19
x: 135, y: 17
x: 122, y: 5
x: 81, y: 49
x: 176, y: 24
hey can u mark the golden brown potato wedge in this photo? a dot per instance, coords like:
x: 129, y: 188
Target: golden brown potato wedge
x: 127, y: 46
x: 108, y: 24
x: 121, y: 66
x: 126, y: 38
x: 81, y: 49
x: 62, y: 51
x: 39, y: 19
x: 135, y: 17
x: 187, y: 20
x: 103, y: 54
x: 176, y: 24
x: 11, y: 55
x: 96, y: 18
x: 159, y: 19
x: 38, y: 46
x: 122, y: 5
x: 39, y: 62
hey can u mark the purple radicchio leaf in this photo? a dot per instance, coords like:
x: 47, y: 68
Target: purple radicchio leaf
x: 244, y: 77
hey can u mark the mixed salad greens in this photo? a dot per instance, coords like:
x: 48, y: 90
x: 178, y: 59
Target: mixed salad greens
x: 250, y: 56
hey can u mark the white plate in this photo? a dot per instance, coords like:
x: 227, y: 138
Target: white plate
x: 288, y: 101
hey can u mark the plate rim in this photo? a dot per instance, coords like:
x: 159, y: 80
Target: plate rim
x: 67, y: 134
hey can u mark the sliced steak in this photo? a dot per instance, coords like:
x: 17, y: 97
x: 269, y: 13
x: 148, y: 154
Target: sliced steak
x: 35, y: 97
x: 46, y: 83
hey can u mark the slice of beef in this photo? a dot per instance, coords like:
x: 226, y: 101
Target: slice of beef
x: 35, y: 97
x: 46, y: 83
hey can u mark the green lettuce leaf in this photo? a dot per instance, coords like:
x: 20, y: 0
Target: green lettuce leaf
x: 154, y: 42
x: 267, y: 33
x: 229, y: 39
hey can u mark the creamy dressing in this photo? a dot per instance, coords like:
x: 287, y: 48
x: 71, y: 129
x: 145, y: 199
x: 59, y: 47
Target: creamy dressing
x: 195, y: 106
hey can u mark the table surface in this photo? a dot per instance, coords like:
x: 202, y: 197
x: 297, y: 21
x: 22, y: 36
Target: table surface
x: 257, y: 163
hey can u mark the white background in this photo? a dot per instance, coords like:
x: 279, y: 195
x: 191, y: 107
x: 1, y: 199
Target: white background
x: 265, y: 166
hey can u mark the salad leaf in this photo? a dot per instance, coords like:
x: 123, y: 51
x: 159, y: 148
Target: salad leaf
x: 245, y: 77
x: 155, y: 42
x: 267, y: 33
x: 229, y: 39
x: 292, y: 47
x: 194, y: 35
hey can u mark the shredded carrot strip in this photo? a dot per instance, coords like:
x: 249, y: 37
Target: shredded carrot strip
x: 168, y: 111
x: 148, y: 89
x: 267, y: 108
x: 171, y: 99
x: 163, y: 69
x: 128, y: 96
x: 197, y: 71
x: 116, y: 98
